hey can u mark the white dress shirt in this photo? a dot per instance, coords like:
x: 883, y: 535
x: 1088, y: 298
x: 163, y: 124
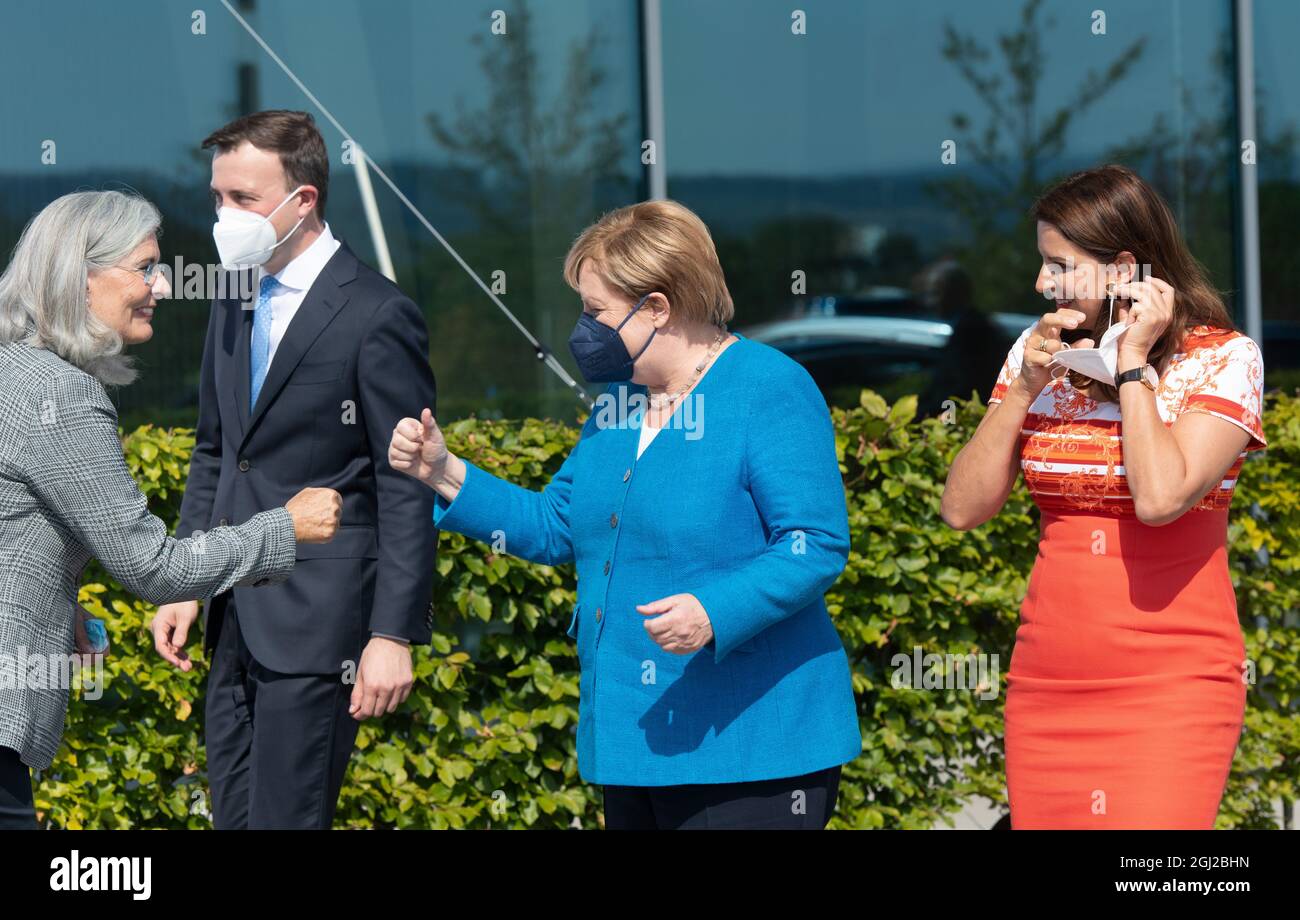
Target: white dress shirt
x: 296, y: 280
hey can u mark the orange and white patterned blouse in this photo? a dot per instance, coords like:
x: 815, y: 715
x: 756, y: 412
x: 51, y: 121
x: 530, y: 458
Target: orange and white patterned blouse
x: 1070, y: 448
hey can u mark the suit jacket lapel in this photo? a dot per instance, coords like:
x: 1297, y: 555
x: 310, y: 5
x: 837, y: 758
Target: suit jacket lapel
x: 323, y: 302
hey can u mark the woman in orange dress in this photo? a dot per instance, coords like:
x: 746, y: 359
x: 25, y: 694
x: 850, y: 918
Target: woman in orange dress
x: 1126, y: 688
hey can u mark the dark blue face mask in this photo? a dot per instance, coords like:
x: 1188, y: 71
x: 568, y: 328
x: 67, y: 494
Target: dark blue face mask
x: 599, y: 350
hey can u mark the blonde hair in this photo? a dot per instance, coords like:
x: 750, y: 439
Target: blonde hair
x: 656, y: 246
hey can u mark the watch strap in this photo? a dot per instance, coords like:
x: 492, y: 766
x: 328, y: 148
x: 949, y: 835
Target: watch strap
x: 1134, y: 373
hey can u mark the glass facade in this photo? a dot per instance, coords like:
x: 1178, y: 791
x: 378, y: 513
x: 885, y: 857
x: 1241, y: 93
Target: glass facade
x: 869, y: 161
x: 508, y: 142
x: 891, y: 153
x: 1277, y: 108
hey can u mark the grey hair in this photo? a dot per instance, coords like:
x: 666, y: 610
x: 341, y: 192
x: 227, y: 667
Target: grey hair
x: 43, y: 291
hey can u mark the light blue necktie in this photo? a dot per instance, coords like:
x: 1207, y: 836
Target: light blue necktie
x: 261, y: 337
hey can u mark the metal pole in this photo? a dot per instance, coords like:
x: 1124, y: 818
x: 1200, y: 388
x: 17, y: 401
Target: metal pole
x: 542, y: 353
x: 1244, y: 37
x: 371, y: 207
x: 652, y: 78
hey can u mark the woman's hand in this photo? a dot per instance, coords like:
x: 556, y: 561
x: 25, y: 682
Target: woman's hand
x: 316, y: 513
x: 418, y: 449
x: 1149, y: 313
x: 1043, y: 343
x: 84, y: 647
x: 680, y: 624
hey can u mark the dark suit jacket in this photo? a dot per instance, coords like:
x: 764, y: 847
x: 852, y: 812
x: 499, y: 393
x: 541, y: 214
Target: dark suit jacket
x: 352, y: 362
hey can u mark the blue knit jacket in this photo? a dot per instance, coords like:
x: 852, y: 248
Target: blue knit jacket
x: 738, y: 500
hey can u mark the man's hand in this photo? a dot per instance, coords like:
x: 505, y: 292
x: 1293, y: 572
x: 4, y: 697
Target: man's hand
x: 383, y: 680
x: 679, y: 623
x: 171, y: 630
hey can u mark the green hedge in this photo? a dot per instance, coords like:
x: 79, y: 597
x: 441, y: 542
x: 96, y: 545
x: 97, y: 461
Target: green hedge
x: 487, y: 738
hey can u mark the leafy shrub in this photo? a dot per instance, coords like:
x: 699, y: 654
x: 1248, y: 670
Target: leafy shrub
x: 487, y: 738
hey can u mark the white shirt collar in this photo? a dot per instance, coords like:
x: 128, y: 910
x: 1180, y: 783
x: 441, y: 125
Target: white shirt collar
x: 300, y: 274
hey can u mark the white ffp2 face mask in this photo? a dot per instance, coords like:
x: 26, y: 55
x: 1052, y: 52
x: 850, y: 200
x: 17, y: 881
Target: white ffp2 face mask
x: 1100, y: 363
x: 245, y: 239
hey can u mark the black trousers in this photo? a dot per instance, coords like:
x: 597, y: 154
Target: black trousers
x: 792, y: 803
x: 16, y: 809
x: 277, y: 744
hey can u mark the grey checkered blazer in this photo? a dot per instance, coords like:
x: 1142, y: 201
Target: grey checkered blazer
x: 66, y: 495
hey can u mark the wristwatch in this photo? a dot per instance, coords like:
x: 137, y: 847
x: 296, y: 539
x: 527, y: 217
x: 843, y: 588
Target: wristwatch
x: 1146, y: 373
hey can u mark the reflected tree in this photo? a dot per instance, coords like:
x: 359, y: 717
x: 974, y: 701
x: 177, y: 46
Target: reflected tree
x: 1012, y: 152
x: 536, y: 169
x: 1189, y: 170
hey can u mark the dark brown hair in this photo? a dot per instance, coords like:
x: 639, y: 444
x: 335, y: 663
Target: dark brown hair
x: 1109, y: 209
x: 292, y: 135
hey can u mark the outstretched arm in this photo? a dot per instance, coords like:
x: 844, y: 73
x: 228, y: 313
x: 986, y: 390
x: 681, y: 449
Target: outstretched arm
x: 74, y: 465
x: 470, y: 500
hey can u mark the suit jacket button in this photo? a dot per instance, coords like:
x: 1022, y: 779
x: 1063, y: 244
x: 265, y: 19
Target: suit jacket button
x: 606, y: 566
x: 243, y: 466
x: 613, y: 520
x: 597, y: 614
x: 222, y: 523
x: 627, y: 475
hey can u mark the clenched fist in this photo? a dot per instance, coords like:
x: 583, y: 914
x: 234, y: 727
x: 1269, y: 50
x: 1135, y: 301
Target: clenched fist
x: 316, y: 514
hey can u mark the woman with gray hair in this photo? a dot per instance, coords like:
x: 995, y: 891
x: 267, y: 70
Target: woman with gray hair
x: 81, y: 285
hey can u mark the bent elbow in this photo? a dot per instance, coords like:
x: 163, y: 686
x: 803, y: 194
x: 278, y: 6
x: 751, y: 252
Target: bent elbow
x: 824, y: 554
x: 841, y: 549
x: 964, y: 524
x: 955, y: 518
x: 1156, y: 513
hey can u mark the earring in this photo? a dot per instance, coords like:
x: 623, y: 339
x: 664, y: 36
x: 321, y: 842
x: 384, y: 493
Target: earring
x: 1110, y: 309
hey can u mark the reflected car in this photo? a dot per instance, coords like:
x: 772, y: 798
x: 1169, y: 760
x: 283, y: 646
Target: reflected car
x: 893, y: 355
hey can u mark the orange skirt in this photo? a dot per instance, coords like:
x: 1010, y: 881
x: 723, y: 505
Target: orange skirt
x: 1126, y: 690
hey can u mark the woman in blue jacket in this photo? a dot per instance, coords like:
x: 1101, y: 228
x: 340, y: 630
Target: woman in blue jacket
x: 704, y: 509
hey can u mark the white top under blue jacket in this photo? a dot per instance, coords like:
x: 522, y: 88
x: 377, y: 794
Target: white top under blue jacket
x: 738, y: 500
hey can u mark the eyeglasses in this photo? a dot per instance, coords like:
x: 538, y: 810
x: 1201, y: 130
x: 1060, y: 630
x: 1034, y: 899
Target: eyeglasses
x: 148, y: 273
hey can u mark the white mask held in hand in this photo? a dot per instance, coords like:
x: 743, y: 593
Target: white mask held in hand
x: 1100, y: 363
x: 245, y: 239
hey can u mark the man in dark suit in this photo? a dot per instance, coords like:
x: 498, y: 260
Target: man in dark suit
x: 302, y: 384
